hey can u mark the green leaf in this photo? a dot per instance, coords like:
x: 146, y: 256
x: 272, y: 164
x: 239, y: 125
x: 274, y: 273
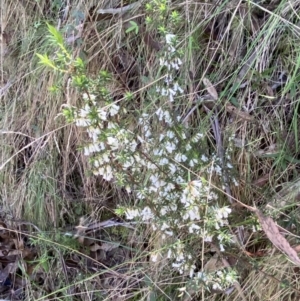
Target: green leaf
x: 120, y: 211
x: 56, y: 34
x: 46, y: 61
x: 134, y: 27
x: 79, y: 63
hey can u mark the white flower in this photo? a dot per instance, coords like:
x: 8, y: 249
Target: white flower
x: 197, y: 137
x: 208, y: 238
x: 161, y: 62
x: 128, y: 163
x: 217, y: 169
x: 113, y: 142
x: 97, y: 163
x: 212, y: 196
x: 192, y: 270
x: 202, y: 276
x: 168, y: 118
x: 94, y: 133
x: 176, y: 265
x: 102, y: 114
x: 86, y: 96
x: 176, y: 88
x: 193, y: 162
x: 164, y: 210
x: 160, y: 114
x: 114, y: 109
x: 170, y: 186
x: 192, y: 214
x: 147, y: 214
x: 193, y: 228
x: 105, y: 158
x: 172, y: 92
x: 180, y: 180
x: 204, y: 158
x: 132, y: 213
x: 169, y: 79
x: 84, y: 111
x: 171, y: 49
x: 91, y: 148
x: 156, y: 182
x: 164, y: 226
x: 235, y: 182
x: 170, y: 146
x: 107, y: 175
x: 151, y: 166
x: 171, y: 98
x: 102, y: 146
x: 154, y: 257
x: 229, y: 165
x: 170, y: 233
x: 223, y: 212
x: 175, y: 65
x: 133, y: 145
x: 169, y: 38
x: 170, y: 134
x: 157, y: 152
x: 172, y: 168
x: 217, y: 286
x: 180, y: 158
x: 105, y: 172
x: 179, y: 62
x: 163, y: 161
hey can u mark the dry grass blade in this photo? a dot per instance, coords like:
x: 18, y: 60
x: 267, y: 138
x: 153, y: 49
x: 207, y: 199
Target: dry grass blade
x: 120, y: 10
x: 5, y: 88
x: 271, y: 230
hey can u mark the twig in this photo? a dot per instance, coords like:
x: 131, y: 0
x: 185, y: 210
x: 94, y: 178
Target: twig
x: 220, y: 151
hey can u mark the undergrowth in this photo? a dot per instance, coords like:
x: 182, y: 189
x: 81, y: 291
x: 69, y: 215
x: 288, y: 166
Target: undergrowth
x: 130, y: 137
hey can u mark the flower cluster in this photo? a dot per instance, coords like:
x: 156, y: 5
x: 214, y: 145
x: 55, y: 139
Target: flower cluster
x: 159, y: 164
x: 220, y: 280
x: 172, y: 62
x: 163, y: 165
x: 156, y: 167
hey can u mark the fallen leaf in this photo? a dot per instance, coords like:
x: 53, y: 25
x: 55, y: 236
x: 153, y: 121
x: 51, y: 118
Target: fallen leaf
x: 210, y: 88
x: 260, y: 182
x: 232, y: 109
x: 215, y: 263
x: 278, y: 240
x: 9, y: 269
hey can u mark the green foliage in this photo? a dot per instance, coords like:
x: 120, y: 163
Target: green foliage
x: 134, y: 27
x: 46, y: 61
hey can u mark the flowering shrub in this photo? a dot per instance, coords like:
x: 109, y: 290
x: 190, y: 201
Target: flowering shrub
x: 161, y: 164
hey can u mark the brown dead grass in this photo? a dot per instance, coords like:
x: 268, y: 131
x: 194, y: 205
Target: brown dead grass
x: 47, y: 181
